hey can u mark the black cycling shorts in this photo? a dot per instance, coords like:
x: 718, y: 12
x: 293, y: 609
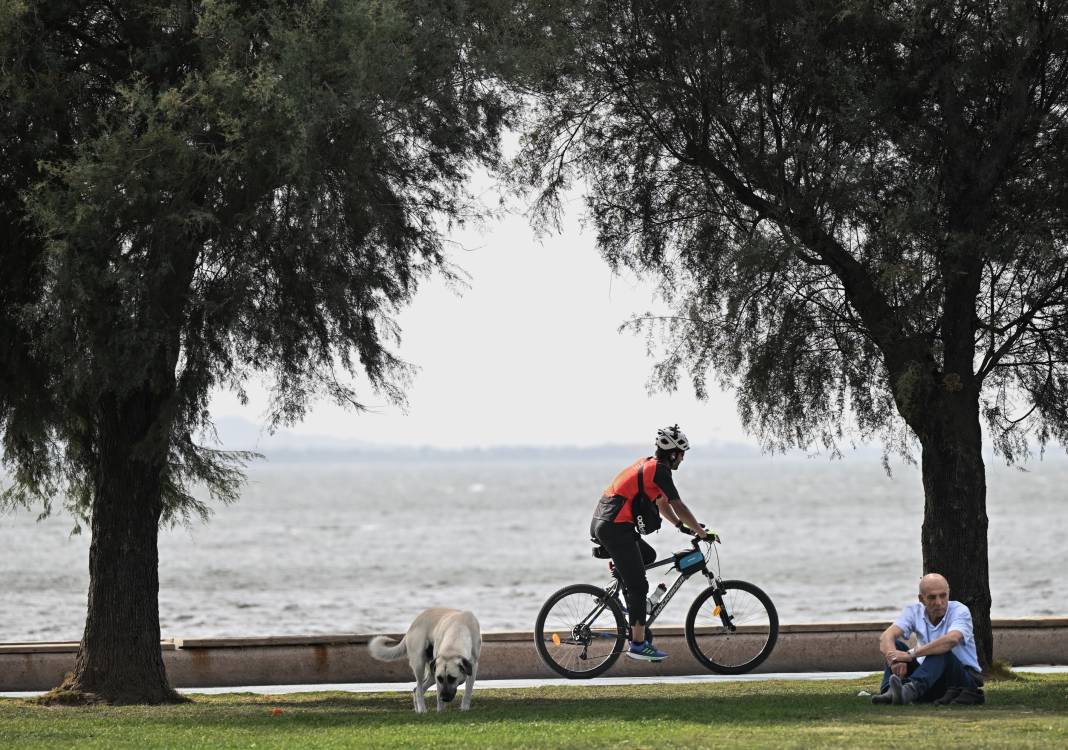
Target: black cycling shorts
x: 630, y: 554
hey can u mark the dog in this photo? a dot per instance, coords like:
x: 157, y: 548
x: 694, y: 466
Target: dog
x: 442, y: 646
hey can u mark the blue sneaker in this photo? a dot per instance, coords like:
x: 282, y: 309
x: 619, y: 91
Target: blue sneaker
x: 645, y: 652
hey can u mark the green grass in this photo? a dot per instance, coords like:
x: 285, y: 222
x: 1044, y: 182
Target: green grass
x: 1031, y: 712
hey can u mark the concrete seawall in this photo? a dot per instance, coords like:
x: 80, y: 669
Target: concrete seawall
x: 343, y: 658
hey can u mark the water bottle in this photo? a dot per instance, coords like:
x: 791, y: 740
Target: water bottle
x: 658, y: 594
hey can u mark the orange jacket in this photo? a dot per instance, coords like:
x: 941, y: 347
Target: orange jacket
x: 625, y: 487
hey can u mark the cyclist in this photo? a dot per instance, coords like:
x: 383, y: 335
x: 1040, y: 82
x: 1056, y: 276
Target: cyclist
x: 613, y: 526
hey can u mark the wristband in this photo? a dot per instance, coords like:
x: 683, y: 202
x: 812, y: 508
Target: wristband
x: 680, y: 525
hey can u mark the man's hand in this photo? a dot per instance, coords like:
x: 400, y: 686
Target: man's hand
x: 701, y: 532
x: 900, y: 668
x: 898, y: 657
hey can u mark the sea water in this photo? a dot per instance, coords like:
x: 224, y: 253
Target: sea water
x: 362, y: 547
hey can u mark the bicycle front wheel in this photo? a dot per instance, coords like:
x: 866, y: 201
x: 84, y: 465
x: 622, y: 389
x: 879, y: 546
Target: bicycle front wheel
x: 732, y: 629
x: 580, y: 631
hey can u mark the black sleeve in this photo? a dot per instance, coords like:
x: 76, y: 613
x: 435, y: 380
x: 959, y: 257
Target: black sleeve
x: 663, y: 480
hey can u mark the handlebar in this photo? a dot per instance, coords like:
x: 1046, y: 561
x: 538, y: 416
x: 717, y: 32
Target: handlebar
x: 712, y: 536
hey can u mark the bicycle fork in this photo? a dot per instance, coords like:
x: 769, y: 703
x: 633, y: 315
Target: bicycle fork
x: 720, y: 610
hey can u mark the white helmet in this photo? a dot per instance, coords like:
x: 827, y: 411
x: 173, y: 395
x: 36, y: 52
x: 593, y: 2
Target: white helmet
x: 672, y: 438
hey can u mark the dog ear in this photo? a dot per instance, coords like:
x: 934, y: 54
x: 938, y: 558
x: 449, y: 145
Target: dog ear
x: 465, y: 667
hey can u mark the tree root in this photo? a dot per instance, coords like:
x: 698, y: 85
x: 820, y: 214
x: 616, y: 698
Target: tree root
x: 68, y: 694
x: 999, y: 670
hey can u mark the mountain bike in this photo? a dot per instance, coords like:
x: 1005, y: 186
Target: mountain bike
x: 731, y: 627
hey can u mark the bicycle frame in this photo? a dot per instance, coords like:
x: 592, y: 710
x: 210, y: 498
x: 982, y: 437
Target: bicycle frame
x: 713, y: 578
x: 711, y: 621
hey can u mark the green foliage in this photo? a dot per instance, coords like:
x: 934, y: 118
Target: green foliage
x: 196, y: 192
x: 1028, y: 713
x: 856, y: 208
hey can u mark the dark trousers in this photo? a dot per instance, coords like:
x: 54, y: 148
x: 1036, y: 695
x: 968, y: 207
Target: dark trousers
x: 935, y: 676
x: 630, y: 554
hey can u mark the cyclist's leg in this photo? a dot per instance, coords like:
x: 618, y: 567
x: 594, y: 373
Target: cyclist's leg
x: 622, y: 544
x: 648, y: 553
x: 648, y: 557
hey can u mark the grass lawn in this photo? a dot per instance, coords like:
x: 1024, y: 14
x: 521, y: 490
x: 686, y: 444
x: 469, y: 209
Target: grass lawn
x: 1028, y: 713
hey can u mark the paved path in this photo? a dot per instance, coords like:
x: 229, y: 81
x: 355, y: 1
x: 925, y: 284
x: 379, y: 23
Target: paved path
x: 403, y: 687
x: 389, y: 687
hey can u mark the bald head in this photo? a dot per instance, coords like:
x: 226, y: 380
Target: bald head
x: 933, y: 581
x: 934, y: 596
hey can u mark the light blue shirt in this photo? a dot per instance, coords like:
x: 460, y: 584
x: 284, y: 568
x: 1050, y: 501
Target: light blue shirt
x: 913, y: 619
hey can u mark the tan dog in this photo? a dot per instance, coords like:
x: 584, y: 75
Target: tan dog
x: 442, y: 646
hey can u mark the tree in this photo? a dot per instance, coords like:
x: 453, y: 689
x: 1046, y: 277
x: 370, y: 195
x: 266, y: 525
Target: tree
x: 193, y: 192
x: 858, y: 209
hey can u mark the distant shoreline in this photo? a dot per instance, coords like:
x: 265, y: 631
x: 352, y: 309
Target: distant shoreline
x: 286, y: 447
x: 400, y: 454
x: 573, y: 454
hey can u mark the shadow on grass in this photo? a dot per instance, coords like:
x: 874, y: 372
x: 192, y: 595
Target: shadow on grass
x: 764, y: 707
x: 740, y: 705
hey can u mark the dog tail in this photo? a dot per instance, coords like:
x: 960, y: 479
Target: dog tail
x: 382, y: 650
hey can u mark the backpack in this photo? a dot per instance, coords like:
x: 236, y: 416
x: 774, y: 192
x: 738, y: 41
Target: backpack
x: 646, y: 514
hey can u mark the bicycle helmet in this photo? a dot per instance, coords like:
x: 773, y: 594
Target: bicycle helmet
x: 672, y: 438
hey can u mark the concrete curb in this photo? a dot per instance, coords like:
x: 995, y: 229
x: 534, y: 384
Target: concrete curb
x: 343, y: 658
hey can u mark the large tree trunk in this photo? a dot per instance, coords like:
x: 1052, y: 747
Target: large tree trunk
x: 954, y: 536
x: 120, y: 660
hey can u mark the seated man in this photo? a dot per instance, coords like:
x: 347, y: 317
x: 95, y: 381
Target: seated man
x: 942, y: 668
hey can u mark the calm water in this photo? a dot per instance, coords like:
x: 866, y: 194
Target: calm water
x: 360, y: 548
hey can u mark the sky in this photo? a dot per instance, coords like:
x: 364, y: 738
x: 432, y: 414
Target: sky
x: 528, y: 354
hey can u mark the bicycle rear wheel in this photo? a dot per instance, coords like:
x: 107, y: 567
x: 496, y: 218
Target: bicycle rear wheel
x: 580, y: 631
x: 732, y: 629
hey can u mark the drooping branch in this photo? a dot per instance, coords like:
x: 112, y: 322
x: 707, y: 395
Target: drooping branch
x: 1023, y: 323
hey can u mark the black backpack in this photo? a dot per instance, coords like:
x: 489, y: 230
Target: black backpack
x: 646, y: 514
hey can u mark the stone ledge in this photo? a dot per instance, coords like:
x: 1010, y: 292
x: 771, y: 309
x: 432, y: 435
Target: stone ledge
x: 492, y: 636
x: 61, y: 647
x: 343, y: 658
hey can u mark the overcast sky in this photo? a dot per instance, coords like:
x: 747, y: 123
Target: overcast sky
x: 528, y: 354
